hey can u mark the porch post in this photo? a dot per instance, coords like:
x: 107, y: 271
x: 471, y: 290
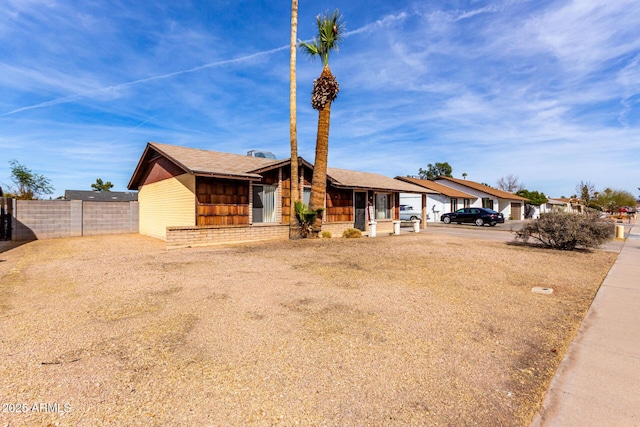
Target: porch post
x: 424, y: 210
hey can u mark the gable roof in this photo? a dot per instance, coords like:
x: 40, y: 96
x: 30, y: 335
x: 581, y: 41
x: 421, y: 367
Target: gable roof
x: 236, y: 166
x: 200, y: 162
x: 484, y: 188
x: 437, y: 188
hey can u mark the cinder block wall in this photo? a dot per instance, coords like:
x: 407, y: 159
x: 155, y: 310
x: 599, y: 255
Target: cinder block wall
x: 47, y: 219
x: 108, y: 218
x: 180, y: 237
x: 41, y: 219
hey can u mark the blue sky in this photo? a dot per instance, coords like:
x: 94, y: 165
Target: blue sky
x: 548, y: 90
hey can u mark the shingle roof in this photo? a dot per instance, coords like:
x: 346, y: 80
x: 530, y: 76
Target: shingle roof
x: 484, y: 188
x: 198, y: 161
x: 214, y: 163
x: 438, y: 188
x: 355, y: 179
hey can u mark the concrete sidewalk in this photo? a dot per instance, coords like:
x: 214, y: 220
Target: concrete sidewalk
x: 598, y: 381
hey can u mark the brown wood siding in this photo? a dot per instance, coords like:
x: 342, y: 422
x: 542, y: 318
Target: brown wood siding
x: 286, y: 195
x: 222, y: 202
x: 161, y: 169
x: 270, y: 178
x: 339, y: 205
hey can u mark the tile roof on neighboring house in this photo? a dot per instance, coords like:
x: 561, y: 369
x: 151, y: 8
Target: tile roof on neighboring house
x: 101, y: 196
x: 551, y: 201
x: 437, y: 188
x: 485, y: 188
x: 236, y: 166
x: 571, y: 200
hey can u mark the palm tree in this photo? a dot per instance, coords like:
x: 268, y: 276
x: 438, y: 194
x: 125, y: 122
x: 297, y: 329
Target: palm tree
x: 325, y: 90
x: 294, y: 229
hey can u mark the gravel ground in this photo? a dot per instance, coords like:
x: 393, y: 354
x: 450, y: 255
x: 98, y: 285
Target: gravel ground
x: 408, y: 330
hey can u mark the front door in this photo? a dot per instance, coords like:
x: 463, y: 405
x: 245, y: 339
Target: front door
x: 360, y: 204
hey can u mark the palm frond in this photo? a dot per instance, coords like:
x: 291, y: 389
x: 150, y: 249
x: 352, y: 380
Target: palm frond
x: 330, y: 30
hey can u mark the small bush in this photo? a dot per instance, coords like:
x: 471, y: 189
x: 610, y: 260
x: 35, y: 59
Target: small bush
x: 326, y: 234
x: 567, y: 231
x: 352, y: 233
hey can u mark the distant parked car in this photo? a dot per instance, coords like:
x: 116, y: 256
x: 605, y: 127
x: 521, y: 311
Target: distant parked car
x: 407, y: 213
x: 477, y: 216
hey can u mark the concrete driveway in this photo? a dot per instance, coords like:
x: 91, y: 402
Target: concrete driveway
x: 501, y: 232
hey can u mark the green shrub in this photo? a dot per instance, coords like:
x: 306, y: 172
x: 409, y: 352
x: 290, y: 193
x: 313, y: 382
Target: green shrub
x: 351, y: 233
x: 306, y: 217
x: 326, y: 234
x: 567, y: 231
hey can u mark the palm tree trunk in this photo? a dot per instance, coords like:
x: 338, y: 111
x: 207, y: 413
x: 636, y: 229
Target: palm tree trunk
x: 319, y: 180
x: 294, y: 229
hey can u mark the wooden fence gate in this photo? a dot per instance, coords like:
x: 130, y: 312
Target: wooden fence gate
x: 6, y: 212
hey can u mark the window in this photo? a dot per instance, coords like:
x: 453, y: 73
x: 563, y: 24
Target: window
x: 467, y: 203
x: 383, y: 206
x: 454, y: 205
x: 306, y: 195
x: 264, y: 203
x: 487, y: 203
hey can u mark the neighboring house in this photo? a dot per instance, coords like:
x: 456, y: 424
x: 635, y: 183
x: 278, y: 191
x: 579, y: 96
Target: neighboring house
x: 208, y: 195
x: 552, y: 205
x: 573, y: 204
x: 508, y: 204
x: 101, y: 196
x: 440, y: 199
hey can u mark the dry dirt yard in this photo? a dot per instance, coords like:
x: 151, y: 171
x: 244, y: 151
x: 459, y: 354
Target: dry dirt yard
x: 415, y: 329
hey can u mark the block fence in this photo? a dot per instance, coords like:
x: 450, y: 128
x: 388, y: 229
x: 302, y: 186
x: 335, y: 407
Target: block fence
x: 46, y: 219
x: 182, y: 237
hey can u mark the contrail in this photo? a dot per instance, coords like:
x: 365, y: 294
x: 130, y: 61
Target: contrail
x: 145, y: 80
x: 385, y: 21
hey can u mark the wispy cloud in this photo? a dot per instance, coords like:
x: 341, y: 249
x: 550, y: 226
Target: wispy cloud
x: 537, y: 89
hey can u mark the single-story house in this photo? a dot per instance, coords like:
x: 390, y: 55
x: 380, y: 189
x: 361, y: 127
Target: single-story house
x: 508, y: 204
x: 552, y: 205
x: 573, y: 204
x: 192, y: 196
x: 440, y: 199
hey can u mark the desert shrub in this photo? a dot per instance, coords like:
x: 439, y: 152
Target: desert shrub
x: 352, y: 233
x: 326, y: 234
x: 567, y: 231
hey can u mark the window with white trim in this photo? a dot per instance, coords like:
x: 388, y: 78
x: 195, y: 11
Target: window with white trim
x: 383, y: 206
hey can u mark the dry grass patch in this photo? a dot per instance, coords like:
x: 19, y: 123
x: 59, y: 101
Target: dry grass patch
x: 411, y: 330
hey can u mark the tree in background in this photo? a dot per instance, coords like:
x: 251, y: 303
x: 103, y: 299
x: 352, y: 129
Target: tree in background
x: 612, y: 200
x: 325, y: 90
x: 29, y: 185
x: 535, y: 199
x: 101, y: 186
x: 510, y: 183
x: 434, y: 171
x: 586, y: 191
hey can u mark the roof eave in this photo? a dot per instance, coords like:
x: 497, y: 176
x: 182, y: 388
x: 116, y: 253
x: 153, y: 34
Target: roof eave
x: 134, y: 182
